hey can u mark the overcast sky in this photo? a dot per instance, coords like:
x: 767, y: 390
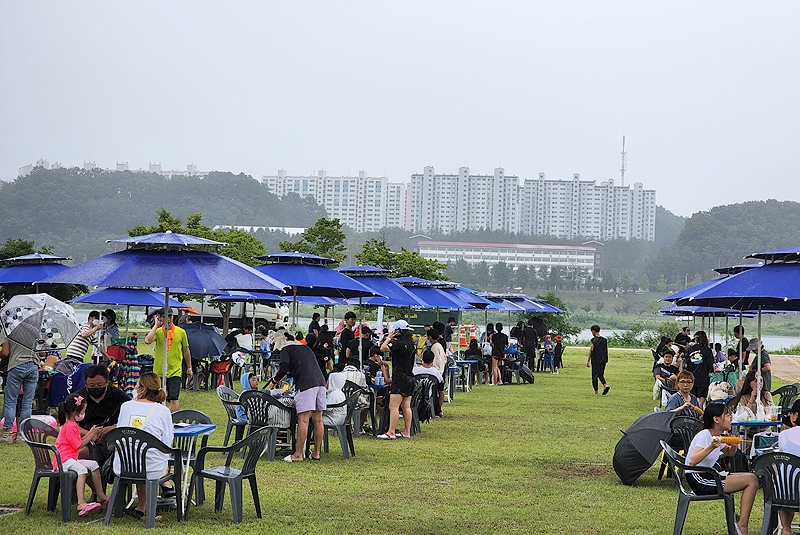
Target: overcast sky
x: 705, y: 92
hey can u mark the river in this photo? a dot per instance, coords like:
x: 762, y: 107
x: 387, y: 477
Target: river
x: 771, y: 343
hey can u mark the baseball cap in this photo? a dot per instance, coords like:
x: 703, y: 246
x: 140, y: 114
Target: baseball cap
x: 400, y: 325
x: 160, y: 311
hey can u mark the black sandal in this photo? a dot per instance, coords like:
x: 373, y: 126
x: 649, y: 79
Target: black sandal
x: 135, y: 513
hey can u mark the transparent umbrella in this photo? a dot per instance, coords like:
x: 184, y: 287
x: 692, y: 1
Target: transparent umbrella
x: 39, y: 322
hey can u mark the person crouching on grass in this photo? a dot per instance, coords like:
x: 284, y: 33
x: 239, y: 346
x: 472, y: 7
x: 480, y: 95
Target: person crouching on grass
x: 705, y: 449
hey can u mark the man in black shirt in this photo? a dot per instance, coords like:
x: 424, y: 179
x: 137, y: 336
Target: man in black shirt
x: 447, y: 334
x: 530, y: 341
x: 365, y: 343
x: 682, y: 339
x: 598, y: 357
x: 309, y: 397
x: 314, y: 327
x: 667, y: 370
x: 345, y: 335
x: 103, y: 402
x: 743, y: 347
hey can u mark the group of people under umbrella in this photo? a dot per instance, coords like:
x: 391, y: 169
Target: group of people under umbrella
x: 771, y: 286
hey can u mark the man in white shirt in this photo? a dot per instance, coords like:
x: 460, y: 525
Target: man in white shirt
x: 429, y: 369
x: 351, y: 373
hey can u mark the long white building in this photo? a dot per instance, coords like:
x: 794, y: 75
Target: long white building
x: 365, y: 204
x: 540, y: 206
x: 577, y: 259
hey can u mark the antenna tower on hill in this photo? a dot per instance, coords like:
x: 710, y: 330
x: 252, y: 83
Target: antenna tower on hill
x: 624, y: 161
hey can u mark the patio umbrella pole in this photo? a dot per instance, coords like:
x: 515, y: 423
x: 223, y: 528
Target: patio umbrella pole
x: 758, y: 364
x: 713, y: 329
x: 741, y: 345
x: 727, y: 343
x: 202, y: 304
x: 164, y: 325
x: 127, y: 322
x: 294, y: 308
x: 360, y: 317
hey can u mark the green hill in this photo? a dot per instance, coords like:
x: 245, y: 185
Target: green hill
x: 73, y: 211
x: 723, y: 235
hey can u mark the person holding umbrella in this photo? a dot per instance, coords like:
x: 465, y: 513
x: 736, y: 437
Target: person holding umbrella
x: 23, y: 371
x: 177, y: 351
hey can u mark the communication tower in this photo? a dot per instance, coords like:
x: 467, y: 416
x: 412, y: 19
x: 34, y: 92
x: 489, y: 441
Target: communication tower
x: 624, y: 161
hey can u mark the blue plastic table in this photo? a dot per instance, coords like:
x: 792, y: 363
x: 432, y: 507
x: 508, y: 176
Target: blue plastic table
x: 193, y: 431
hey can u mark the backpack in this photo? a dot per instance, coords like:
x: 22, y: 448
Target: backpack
x: 526, y: 374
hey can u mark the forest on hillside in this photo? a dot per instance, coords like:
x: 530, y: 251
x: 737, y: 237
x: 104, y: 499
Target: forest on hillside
x: 73, y: 211
x: 723, y: 236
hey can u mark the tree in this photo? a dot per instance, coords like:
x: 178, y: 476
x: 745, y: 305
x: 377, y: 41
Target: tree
x: 554, y: 279
x: 461, y: 271
x: 325, y: 238
x: 697, y: 279
x: 625, y: 281
x: 481, y: 273
x: 241, y: 246
x: 587, y: 308
x: 556, y: 323
x: 376, y: 253
x: 661, y: 283
x: 501, y: 276
x: 599, y: 305
x: 609, y: 282
x: 522, y: 277
x: 411, y: 264
x: 644, y: 282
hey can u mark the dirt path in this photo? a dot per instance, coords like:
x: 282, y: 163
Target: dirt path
x: 787, y: 367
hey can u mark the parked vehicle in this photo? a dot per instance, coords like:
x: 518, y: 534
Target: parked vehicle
x: 266, y: 316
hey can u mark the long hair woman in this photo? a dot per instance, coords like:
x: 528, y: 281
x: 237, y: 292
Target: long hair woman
x: 705, y: 449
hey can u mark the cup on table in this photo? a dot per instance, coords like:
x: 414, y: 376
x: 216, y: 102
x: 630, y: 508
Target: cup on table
x: 774, y: 413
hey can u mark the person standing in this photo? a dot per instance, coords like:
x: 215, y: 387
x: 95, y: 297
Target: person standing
x: 77, y: 348
x: 403, y: 350
x: 700, y: 361
x: 108, y: 331
x: 177, y: 351
x: 314, y: 327
x: 447, y: 334
x: 345, y: 333
x: 598, y: 358
x: 309, y: 398
x: 743, y: 347
x: 499, y: 345
x: 23, y: 373
x: 530, y: 341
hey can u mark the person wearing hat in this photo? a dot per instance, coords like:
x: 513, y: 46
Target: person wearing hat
x: 403, y: 352
x: 757, y: 347
x: 558, y: 350
x: 177, y: 353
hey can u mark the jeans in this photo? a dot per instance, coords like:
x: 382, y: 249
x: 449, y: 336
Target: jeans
x: 25, y: 376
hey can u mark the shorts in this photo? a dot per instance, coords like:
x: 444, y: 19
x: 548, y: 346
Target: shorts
x: 701, y: 485
x: 80, y: 466
x: 700, y: 390
x: 312, y: 399
x: 403, y: 384
x: 173, y: 387
x: 498, y: 357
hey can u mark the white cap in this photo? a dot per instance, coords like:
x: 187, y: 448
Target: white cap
x: 400, y: 325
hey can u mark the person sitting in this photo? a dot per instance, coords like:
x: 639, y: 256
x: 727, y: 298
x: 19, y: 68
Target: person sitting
x: 147, y: 413
x: 748, y: 394
x: 664, y: 344
x: 732, y: 365
x: 334, y: 415
x: 705, y: 449
x: 352, y: 373
x: 475, y: 353
x: 298, y: 336
x: 683, y: 339
x: 683, y: 401
x: 429, y: 369
x: 664, y: 372
x: 789, y: 442
x: 358, y: 348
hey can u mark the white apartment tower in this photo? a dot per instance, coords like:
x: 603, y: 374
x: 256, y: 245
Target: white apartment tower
x: 365, y: 204
x: 570, y: 208
x: 449, y: 203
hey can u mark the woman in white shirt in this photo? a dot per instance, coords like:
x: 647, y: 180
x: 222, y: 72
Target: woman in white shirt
x: 789, y: 442
x: 705, y: 449
x: 147, y: 412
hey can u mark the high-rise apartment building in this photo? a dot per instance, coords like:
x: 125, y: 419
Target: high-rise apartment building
x: 365, y: 204
x: 539, y: 206
x: 449, y: 203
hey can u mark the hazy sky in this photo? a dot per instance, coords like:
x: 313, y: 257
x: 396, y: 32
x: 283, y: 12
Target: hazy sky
x: 706, y: 92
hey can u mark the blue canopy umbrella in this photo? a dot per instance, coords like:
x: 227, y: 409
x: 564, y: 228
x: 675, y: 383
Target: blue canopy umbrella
x: 128, y: 297
x: 310, y: 275
x: 391, y: 293
x: 775, y: 286
x: 29, y: 268
x: 170, y: 265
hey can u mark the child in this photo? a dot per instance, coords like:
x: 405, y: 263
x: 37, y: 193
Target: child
x: 68, y: 443
x: 548, y: 354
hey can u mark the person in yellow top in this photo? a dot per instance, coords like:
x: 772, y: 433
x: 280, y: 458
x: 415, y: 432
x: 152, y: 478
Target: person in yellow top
x: 177, y: 351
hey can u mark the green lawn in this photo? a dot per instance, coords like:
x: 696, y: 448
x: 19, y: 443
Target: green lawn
x: 531, y: 459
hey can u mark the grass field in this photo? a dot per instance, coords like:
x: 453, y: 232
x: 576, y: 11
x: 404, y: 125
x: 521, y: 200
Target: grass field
x: 530, y: 459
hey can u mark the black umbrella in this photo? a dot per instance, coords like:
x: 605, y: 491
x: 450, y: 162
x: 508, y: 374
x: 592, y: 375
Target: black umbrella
x: 204, y: 340
x: 639, y: 448
x: 540, y: 326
